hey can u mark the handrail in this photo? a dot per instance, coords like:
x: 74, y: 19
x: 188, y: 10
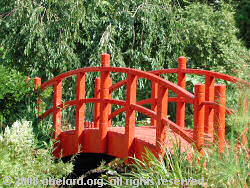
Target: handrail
x: 214, y: 74
x: 141, y: 74
x: 68, y: 74
x: 202, y: 100
x: 189, y: 71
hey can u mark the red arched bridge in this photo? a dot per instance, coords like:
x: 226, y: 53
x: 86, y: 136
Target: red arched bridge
x: 99, y: 136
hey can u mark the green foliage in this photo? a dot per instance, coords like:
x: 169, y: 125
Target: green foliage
x: 19, y: 156
x: 243, y: 20
x: 15, y: 94
x: 45, y: 38
x: 229, y: 169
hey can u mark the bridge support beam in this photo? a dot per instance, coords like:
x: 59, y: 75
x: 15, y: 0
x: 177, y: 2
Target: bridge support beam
x: 57, y: 116
x: 162, y: 111
x: 209, y: 110
x: 130, y: 113
x: 180, y: 109
x: 219, y: 116
x: 104, y: 107
x: 80, y: 110
x: 199, y: 109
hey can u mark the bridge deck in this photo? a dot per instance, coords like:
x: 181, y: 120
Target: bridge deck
x: 145, y: 136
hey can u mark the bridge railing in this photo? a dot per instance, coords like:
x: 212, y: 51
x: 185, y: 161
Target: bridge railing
x: 103, y: 100
x: 211, y: 117
x: 204, y: 100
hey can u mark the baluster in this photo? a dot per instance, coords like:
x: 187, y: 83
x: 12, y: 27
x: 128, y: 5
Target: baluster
x: 109, y: 105
x: 97, y: 105
x: 180, y: 114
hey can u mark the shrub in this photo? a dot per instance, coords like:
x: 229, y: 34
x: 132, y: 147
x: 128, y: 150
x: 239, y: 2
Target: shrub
x: 243, y: 20
x: 19, y: 156
x: 15, y: 95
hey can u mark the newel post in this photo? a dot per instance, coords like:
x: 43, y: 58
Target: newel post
x: 209, y: 111
x: 199, y: 110
x: 57, y: 116
x: 37, y: 83
x: 180, y: 114
x: 162, y: 111
x: 97, y: 105
x: 80, y: 108
x: 219, y: 116
x: 104, y: 107
x: 130, y: 112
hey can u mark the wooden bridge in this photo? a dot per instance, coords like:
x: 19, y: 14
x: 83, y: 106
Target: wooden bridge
x: 99, y: 136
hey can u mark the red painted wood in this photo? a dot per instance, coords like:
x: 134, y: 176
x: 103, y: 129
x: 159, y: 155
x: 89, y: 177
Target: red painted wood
x: 80, y: 109
x: 162, y: 111
x: 199, y: 110
x: 97, y: 105
x: 154, y: 95
x: 180, y: 108
x: 216, y: 75
x: 105, y: 80
x: 109, y: 104
x: 209, y: 111
x: 144, y: 110
x: 141, y: 74
x: 100, y: 137
x: 117, y: 85
x: 57, y: 100
x: 130, y: 113
x: 37, y: 83
x: 219, y: 116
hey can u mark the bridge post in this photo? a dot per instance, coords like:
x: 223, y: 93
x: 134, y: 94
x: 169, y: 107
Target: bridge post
x: 80, y: 109
x: 57, y: 100
x: 154, y: 96
x: 104, y: 94
x: 180, y: 114
x: 130, y: 113
x: 199, y: 109
x: 219, y: 116
x: 38, y: 83
x: 97, y: 105
x: 209, y: 110
x: 162, y: 111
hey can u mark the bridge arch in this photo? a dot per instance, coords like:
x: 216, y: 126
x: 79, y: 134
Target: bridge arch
x: 100, y: 137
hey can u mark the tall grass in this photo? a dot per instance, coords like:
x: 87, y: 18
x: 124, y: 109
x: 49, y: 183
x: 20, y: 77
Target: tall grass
x: 213, y: 169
